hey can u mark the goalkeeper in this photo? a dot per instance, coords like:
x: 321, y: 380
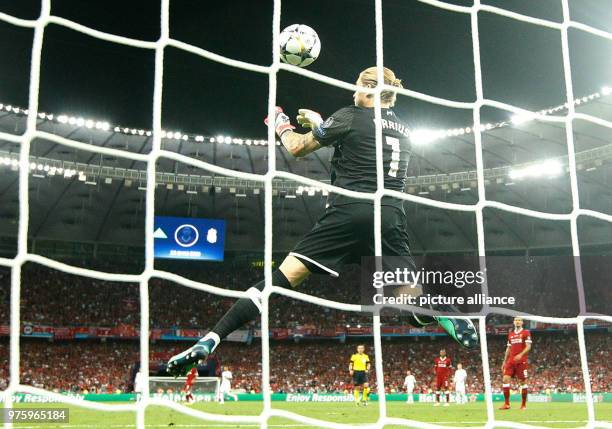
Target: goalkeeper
x: 345, y: 231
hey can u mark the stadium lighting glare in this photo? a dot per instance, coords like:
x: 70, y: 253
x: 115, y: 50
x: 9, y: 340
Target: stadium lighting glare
x: 522, y: 118
x: 418, y: 136
x: 425, y: 136
x: 550, y: 168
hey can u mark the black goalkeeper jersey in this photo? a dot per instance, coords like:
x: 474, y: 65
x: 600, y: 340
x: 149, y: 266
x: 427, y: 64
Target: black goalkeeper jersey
x: 351, y: 130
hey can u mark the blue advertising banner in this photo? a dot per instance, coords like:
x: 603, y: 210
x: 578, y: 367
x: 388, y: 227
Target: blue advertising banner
x: 189, y: 238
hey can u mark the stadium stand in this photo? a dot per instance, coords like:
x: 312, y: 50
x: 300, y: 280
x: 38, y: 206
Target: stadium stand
x: 57, y: 301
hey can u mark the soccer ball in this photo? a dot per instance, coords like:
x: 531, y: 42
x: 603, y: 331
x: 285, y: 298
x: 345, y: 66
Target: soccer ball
x: 299, y: 45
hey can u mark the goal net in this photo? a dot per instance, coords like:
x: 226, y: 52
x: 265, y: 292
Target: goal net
x: 203, y: 389
x: 39, y: 26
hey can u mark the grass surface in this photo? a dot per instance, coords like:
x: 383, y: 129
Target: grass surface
x: 474, y: 414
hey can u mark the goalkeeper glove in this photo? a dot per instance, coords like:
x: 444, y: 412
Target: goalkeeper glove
x: 309, y: 119
x: 282, y: 124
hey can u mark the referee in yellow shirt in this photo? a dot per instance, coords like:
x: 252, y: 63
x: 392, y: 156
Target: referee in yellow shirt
x: 358, y: 368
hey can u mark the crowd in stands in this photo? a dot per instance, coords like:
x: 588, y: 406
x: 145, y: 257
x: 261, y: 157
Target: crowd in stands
x: 50, y: 297
x: 311, y: 366
x: 54, y: 298
x: 73, y: 366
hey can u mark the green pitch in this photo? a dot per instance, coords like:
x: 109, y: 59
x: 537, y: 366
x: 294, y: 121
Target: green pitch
x: 474, y: 414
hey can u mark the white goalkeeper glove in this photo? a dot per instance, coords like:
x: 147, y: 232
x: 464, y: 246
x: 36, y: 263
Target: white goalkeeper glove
x: 282, y: 124
x: 309, y: 119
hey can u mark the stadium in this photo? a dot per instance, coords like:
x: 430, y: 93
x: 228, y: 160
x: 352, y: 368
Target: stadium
x: 142, y: 196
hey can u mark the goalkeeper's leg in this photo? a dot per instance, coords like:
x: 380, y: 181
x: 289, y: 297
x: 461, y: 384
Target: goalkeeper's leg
x: 462, y: 331
x: 291, y: 273
x: 398, y: 256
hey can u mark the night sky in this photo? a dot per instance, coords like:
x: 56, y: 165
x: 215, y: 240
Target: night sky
x: 429, y: 48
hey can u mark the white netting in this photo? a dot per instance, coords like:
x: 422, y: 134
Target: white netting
x: 23, y: 256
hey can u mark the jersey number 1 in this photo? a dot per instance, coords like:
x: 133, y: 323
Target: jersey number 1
x: 395, y: 155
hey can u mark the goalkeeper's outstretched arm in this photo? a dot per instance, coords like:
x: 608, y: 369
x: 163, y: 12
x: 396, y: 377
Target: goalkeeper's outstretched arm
x: 297, y: 144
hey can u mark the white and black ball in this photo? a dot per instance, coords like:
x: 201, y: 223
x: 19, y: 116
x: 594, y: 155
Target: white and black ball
x: 299, y: 45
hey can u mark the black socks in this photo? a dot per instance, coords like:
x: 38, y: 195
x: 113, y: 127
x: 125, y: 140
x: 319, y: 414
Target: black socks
x: 245, y: 310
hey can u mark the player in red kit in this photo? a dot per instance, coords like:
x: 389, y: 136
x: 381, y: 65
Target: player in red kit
x: 442, y: 370
x: 191, y: 377
x: 515, y: 361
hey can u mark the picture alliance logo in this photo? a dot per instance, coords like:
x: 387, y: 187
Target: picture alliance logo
x: 188, y: 235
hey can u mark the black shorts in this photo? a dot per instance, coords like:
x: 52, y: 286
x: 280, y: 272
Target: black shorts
x: 359, y: 377
x: 345, y: 233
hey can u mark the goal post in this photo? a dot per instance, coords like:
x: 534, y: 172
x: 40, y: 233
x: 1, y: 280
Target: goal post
x: 203, y: 388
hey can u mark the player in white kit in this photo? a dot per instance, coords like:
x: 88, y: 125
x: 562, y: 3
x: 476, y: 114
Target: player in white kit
x: 409, y: 385
x: 138, y: 382
x: 459, y: 380
x: 226, y: 385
